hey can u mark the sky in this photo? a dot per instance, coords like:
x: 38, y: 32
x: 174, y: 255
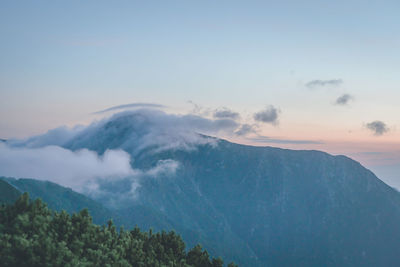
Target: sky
x: 304, y: 74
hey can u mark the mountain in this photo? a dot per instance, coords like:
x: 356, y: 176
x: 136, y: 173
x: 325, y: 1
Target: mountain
x: 290, y: 207
x: 259, y: 206
x: 58, y: 198
x: 8, y: 193
x: 256, y: 206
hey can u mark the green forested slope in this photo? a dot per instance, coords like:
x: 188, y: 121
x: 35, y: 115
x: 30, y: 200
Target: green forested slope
x: 33, y: 235
x: 62, y: 198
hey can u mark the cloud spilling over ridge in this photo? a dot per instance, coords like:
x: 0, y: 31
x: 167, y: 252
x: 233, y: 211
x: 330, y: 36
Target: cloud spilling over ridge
x: 344, y: 99
x: 321, y: 83
x: 377, y: 127
x: 268, y: 115
x: 54, y: 137
x: 131, y: 105
x: 136, y: 130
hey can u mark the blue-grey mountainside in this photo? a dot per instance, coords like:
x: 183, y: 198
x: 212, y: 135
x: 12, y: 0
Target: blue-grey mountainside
x: 257, y: 206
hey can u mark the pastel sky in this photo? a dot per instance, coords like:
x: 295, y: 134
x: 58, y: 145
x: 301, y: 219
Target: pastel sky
x: 329, y: 69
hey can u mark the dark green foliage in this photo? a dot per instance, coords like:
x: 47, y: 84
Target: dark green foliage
x: 33, y: 235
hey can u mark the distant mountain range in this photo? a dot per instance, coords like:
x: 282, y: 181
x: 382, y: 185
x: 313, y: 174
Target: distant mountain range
x: 257, y: 206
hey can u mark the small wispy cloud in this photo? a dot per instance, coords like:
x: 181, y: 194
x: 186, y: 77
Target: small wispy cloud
x: 163, y: 167
x: 377, y: 127
x: 370, y: 153
x: 321, y: 83
x: 225, y: 113
x: 344, y: 100
x: 246, y: 129
x: 198, y: 109
x: 266, y: 139
x: 131, y: 105
x: 269, y: 115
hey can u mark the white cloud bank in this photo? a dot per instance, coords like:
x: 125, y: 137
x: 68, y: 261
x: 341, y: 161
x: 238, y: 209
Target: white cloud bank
x: 74, y: 169
x: 82, y: 170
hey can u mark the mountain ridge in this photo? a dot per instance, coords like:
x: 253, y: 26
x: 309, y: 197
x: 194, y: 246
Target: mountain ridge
x: 256, y: 206
x: 284, y: 207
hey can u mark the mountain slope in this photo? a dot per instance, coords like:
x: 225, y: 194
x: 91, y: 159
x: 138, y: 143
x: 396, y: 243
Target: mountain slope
x: 257, y: 206
x: 262, y: 205
x: 291, y: 207
x: 59, y: 198
x: 8, y: 193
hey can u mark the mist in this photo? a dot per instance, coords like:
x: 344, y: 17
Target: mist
x: 74, y: 169
x: 82, y: 170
